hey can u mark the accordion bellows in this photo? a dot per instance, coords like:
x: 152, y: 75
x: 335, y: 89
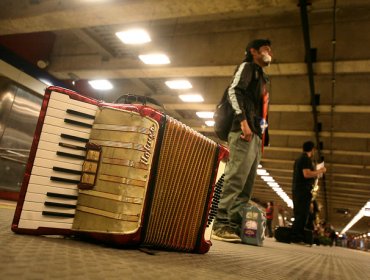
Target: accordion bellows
x: 121, y: 173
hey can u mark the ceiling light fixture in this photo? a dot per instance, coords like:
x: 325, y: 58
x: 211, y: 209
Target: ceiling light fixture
x: 134, y: 36
x: 191, y: 97
x: 155, y: 58
x: 273, y: 184
x: 210, y: 123
x: 101, y: 84
x: 267, y: 178
x: 205, y: 115
x: 178, y: 84
x: 262, y: 172
x: 46, y: 82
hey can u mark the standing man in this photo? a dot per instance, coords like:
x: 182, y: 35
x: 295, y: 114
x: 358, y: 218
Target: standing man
x: 304, y: 175
x: 246, y: 94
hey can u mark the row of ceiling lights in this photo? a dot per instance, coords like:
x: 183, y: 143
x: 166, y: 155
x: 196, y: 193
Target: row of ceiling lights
x: 140, y: 36
x: 270, y: 181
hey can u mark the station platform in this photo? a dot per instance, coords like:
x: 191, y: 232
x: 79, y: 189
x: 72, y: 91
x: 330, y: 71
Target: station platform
x: 38, y: 257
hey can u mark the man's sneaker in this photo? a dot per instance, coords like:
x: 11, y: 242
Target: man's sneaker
x: 226, y: 234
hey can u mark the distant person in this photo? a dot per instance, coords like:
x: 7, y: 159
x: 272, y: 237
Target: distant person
x: 330, y: 234
x: 304, y: 175
x: 246, y: 93
x: 269, y: 218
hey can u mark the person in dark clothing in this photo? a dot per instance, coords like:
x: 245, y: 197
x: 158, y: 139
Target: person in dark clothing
x: 246, y: 94
x: 314, y: 209
x: 304, y: 175
x: 269, y: 218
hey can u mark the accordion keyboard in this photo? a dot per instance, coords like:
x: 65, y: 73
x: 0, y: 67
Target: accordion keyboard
x: 52, y: 192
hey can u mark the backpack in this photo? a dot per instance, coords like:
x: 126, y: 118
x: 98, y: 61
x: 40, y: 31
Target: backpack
x: 223, y: 117
x: 224, y: 113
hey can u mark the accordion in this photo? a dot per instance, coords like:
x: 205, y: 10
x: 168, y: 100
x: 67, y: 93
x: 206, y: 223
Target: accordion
x: 126, y: 174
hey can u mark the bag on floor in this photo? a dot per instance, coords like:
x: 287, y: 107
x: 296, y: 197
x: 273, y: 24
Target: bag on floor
x: 283, y: 234
x: 253, y: 226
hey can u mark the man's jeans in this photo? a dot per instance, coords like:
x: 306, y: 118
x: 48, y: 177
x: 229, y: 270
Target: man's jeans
x: 240, y: 173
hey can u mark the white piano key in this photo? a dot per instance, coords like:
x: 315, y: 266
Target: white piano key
x: 41, y: 198
x: 43, y: 189
x: 56, y: 138
x: 65, y: 98
x: 46, y: 163
x: 64, y: 106
x: 56, y: 122
x: 37, y: 216
x: 43, y: 154
x: 45, y: 181
x: 39, y: 207
x: 31, y: 224
x: 55, y: 147
x: 50, y: 128
x: 48, y: 172
x: 62, y: 114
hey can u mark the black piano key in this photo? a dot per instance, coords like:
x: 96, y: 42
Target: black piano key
x: 57, y: 214
x: 82, y: 124
x: 80, y: 114
x: 72, y: 137
x: 63, y: 154
x: 64, y: 180
x: 66, y: 170
x: 59, y: 205
x: 61, y: 195
x: 74, y: 147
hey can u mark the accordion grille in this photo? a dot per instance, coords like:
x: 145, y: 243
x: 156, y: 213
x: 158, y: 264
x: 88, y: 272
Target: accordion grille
x: 182, y: 184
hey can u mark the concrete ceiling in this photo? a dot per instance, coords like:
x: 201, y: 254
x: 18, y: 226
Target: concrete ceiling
x: 205, y: 40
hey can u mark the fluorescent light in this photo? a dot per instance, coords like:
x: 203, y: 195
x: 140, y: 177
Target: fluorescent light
x: 101, y: 84
x: 273, y: 184
x: 155, y: 58
x: 262, y: 172
x: 210, y: 123
x: 46, y: 82
x: 134, y: 36
x: 367, y: 209
x: 364, y: 211
x: 205, y: 115
x: 267, y: 179
x: 191, y: 97
x: 178, y: 84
